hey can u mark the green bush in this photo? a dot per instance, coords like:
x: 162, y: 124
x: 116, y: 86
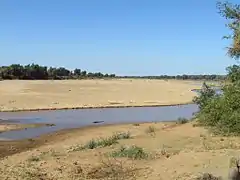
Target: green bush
x: 182, y: 120
x: 205, y: 94
x: 222, y: 113
x: 102, y: 142
x: 132, y: 152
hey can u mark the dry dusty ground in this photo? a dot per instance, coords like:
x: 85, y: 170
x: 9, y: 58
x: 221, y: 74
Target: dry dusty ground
x: 24, y: 95
x: 175, y: 152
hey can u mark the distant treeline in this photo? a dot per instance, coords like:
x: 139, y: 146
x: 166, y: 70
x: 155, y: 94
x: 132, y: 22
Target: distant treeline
x: 213, y: 77
x: 37, y: 72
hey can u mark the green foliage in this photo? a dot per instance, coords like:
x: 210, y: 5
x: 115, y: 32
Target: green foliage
x: 102, y: 142
x: 233, y: 73
x: 132, y: 152
x: 211, y: 77
x: 35, y: 71
x: 92, y: 144
x: 182, y: 121
x: 205, y: 94
x: 232, y: 13
x: 222, y: 112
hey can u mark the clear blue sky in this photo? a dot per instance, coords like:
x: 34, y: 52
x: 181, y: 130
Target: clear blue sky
x: 126, y: 37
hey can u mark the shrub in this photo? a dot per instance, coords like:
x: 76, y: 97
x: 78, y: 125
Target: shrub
x: 222, y: 113
x: 205, y: 94
x: 150, y: 129
x: 123, y: 135
x: 102, y: 142
x: 182, y: 120
x: 208, y: 176
x: 132, y: 152
x: 92, y: 144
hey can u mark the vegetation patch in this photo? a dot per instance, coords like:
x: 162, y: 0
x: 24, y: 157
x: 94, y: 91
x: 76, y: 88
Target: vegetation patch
x: 113, y: 169
x: 102, y: 142
x: 34, y: 159
x: 122, y: 135
x: 221, y: 112
x: 133, y: 152
x: 182, y: 120
x: 136, y: 124
x: 150, y: 130
x: 208, y: 176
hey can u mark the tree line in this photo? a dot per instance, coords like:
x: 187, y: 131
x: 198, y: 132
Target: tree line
x: 213, y: 77
x: 38, y: 72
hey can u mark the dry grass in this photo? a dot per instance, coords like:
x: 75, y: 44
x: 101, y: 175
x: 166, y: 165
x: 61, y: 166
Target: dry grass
x: 23, y: 95
x: 180, y: 152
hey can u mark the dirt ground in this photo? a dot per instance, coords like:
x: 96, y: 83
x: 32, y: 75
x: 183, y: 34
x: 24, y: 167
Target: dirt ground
x: 175, y: 152
x: 33, y: 95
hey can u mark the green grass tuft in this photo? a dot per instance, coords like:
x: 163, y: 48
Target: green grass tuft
x: 132, y: 152
x: 150, y: 129
x: 102, y: 142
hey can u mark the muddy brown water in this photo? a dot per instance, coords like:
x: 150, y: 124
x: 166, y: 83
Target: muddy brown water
x: 65, y: 119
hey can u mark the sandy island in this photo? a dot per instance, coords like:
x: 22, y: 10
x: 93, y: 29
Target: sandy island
x: 19, y: 95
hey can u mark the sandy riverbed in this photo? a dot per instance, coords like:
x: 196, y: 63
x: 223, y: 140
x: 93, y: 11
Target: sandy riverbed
x: 175, y: 151
x: 29, y: 95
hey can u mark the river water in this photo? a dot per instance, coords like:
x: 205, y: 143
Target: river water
x: 65, y: 119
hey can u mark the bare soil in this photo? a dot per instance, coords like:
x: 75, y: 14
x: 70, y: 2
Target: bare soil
x: 175, y: 151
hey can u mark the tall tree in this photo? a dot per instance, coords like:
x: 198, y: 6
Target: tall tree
x: 232, y: 13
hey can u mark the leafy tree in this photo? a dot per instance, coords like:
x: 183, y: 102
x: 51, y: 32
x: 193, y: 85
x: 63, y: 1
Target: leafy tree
x: 222, y: 112
x: 205, y: 94
x: 232, y: 13
x: 233, y: 73
x: 84, y: 73
x: 77, y: 72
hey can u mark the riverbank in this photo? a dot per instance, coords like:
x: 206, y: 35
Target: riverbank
x: 166, y: 150
x: 4, y: 126
x: 19, y: 95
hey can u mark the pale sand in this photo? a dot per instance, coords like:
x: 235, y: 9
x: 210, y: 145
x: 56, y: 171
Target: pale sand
x: 13, y: 126
x: 29, y: 95
x: 179, y: 152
